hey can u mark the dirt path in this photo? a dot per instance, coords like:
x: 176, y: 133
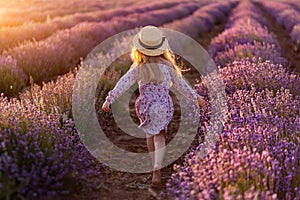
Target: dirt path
x: 284, y: 40
x: 120, y: 185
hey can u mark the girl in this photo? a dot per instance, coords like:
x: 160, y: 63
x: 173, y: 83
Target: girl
x: 155, y: 69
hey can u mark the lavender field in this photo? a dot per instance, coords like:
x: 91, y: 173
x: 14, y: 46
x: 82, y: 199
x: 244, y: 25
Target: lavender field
x: 254, y: 43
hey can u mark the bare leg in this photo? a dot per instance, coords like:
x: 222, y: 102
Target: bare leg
x: 159, y: 143
x: 150, y: 145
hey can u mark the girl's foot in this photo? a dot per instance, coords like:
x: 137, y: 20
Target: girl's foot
x: 156, y: 178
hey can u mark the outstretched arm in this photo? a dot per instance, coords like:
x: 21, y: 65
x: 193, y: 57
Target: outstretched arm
x: 182, y: 86
x: 125, y: 82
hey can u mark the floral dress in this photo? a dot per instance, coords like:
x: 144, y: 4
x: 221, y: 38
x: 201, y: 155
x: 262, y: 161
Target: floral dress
x: 154, y: 105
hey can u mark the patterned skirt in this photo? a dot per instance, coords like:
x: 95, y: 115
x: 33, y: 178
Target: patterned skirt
x: 154, y: 107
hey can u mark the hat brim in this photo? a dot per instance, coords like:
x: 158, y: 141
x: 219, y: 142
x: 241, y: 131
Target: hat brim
x: 150, y: 52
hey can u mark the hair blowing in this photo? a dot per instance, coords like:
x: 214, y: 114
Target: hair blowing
x: 149, y: 70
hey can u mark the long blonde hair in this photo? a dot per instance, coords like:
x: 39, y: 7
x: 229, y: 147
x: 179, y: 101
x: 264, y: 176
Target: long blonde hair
x: 149, y: 70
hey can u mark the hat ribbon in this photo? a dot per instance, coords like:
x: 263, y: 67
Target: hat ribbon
x: 152, y: 47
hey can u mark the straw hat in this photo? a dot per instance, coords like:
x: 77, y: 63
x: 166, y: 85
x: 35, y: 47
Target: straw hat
x: 150, y: 41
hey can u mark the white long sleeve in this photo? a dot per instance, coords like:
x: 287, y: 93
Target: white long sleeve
x: 125, y: 82
x: 182, y: 86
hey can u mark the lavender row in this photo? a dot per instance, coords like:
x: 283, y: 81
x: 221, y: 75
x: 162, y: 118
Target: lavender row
x: 247, y: 73
x: 286, y: 16
x: 202, y: 20
x: 41, y: 153
x: 12, y: 77
x: 12, y: 36
x: 43, y: 59
x: 258, y: 152
x: 293, y: 3
x: 246, y: 35
x: 22, y: 12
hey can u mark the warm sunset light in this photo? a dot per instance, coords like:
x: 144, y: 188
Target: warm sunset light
x: 99, y: 97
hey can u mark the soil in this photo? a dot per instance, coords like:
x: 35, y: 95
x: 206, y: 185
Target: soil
x: 121, y: 185
x: 284, y: 39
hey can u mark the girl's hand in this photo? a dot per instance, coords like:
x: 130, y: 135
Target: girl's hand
x: 105, y: 106
x: 201, y: 102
